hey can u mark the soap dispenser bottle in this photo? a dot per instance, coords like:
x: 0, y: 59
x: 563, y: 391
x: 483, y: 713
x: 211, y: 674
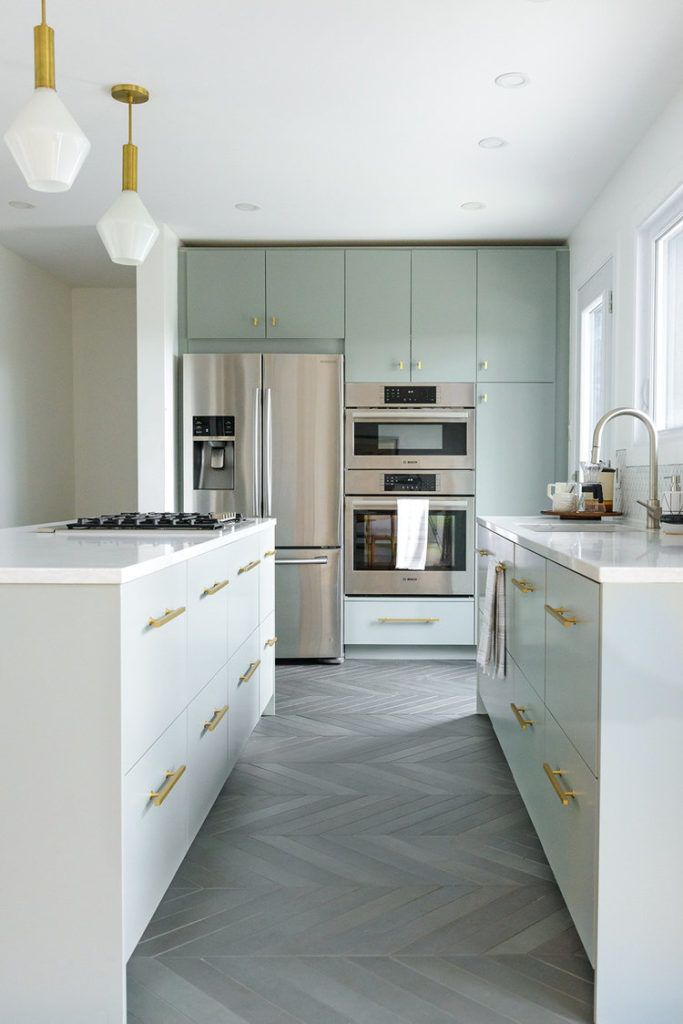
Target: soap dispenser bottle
x: 673, y: 499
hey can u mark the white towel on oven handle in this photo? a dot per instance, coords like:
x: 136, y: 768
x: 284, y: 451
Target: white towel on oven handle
x: 412, y: 515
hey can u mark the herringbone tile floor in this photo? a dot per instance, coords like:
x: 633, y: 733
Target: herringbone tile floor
x: 368, y: 862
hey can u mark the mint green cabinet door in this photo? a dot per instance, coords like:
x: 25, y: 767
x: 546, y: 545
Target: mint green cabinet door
x: 377, y: 315
x: 225, y: 291
x: 516, y: 314
x: 444, y: 315
x: 305, y: 293
x: 515, y: 445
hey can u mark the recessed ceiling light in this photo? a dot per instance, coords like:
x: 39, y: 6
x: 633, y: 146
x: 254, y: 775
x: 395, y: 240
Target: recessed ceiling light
x: 512, y: 80
x: 492, y: 142
x: 247, y: 207
x: 472, y: 206
x: 19, y: 204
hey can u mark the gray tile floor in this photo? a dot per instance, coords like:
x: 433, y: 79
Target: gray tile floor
x: 368, y: 862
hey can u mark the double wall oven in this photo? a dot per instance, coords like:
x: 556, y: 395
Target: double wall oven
x: 404, y: 441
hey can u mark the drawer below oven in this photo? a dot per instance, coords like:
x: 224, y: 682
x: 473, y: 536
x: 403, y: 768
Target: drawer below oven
x: 381, y: 620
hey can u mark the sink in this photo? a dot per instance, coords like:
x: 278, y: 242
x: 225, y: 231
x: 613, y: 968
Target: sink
x: 575, y: 526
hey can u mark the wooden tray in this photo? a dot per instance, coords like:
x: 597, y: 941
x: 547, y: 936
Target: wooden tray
x: 578, y: 515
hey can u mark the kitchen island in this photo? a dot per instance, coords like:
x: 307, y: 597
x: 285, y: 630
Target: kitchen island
x: 590, y: 718
x: 134, y: 667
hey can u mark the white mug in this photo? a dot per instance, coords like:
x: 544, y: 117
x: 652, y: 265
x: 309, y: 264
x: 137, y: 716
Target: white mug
x: 565, y: 501
x: 561, y: 487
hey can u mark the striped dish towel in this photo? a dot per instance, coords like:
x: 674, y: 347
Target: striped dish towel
x: 491, y: 649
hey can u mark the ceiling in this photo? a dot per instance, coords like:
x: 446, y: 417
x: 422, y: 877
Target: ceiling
x: 349, y: 121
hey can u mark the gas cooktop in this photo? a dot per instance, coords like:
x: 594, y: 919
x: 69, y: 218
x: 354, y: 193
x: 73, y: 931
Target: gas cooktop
x: 158, y: 521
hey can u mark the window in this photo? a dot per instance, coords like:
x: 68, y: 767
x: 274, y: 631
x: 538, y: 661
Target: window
x: 595, y: 355
x: 661, y: 343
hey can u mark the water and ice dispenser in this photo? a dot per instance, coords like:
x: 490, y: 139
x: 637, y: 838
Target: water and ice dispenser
x: 213, y: 453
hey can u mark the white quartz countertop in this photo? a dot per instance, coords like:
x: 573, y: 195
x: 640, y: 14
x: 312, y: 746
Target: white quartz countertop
x: 606, y: 550
x: 49, y: 553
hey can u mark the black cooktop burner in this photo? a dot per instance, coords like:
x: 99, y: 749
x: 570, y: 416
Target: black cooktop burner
x: 157, y: 521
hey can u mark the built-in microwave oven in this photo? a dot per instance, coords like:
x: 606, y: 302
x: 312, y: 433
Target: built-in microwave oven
x: 409, y: 427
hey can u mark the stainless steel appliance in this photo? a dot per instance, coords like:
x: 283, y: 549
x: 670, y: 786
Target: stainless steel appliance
x: 401, y: 426
x: 409, y: 441
x: 157, y: 521
x: 263, y: 434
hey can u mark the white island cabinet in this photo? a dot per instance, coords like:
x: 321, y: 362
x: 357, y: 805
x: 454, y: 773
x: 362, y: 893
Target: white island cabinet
x: 590, y: 718
x: 131, y: 679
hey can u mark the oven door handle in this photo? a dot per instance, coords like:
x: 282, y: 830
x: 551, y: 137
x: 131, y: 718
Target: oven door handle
x: 318, y: 560
x: 429, y: 414
x: 390, y: 503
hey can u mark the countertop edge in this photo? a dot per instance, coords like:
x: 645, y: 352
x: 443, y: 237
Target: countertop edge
x: 512, y: 528
x: 111, y: 575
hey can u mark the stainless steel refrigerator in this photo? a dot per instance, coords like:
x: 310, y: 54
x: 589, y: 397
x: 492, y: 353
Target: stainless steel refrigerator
x: 262, y: 435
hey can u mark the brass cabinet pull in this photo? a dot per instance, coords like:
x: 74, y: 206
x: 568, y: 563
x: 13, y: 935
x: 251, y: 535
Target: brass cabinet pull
x: 400, y: 364
x: 216, y: 587
x: 171, y: 779
x: 517, y: 712
x: 253, y: 665
x: 255, y: 321
x: 248, y: 568
x: 563, y: 794
x: 558, y: 613
x: 484, y: 398
x: 273, y: 321
x: 271, y: 642
x: 270, y: 554
x: 484, y: 365
x: 419, y: 364
x: 483, y: 552
x: 166, y: 617
x: 524, y: 586
x: 218, y: 714
x: 407, y: 620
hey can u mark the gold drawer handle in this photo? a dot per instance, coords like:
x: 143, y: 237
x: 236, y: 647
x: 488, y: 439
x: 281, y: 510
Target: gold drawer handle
x: 273, y: 321
x: 407, y: 620
x: 216, y: 587
x: 166, y: 617
x: 524, y: 586
x: 254, y: 320
x: 271, y: 642
x: 218, y: 714
x: 253, y: 665
x: 483, y: 552
x: 270, y: 554
x: 562, y: 793
x: 517, y: 712
x: 558, y: 613
x: 248, y: 568
x: 171, y: 779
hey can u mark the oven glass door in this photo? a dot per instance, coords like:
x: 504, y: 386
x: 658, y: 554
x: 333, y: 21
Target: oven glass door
x: 391, y: 438
x: 371, y: 539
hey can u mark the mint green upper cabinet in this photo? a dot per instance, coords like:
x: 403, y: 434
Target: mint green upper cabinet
x: 444, y: 315
x: 305, y: 293
x: 516, y: 314
x: 225, y: 291
x: 377, y: 315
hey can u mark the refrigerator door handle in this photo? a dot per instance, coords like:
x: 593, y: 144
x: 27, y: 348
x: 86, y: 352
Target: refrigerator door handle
x: 268, y: 453
x: 256, y: 495
x: 318, y: 560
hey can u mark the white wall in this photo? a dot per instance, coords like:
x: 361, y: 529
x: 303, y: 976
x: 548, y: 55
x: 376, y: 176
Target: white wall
x: 157, y: 327
x: 36, y: 403
x: 105, y: 399
x: 652, y: 172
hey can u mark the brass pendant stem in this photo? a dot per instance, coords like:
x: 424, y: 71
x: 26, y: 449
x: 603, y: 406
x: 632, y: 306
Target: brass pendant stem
x: 130, y: 167
x: 44, y: 54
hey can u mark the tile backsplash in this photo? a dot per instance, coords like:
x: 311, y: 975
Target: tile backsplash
x: 633, y: 483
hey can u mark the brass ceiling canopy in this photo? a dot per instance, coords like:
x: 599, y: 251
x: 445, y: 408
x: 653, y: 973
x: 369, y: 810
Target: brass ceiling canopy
x: 130, y: 93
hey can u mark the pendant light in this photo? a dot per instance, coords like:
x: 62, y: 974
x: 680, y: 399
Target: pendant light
x: 127, y: 230
x: 44, y: 139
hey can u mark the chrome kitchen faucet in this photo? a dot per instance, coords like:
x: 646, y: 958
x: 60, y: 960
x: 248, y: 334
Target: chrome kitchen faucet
x: 654, y: 509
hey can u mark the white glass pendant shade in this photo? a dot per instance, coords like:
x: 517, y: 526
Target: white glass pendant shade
x: 127, y: 230
x: 46, y: 143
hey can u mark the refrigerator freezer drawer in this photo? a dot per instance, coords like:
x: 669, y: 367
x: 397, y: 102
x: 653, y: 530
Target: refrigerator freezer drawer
x: 308, y: 602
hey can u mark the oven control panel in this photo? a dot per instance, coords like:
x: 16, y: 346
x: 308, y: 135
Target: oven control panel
x: 410, y: 481
x: 408, y: 394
